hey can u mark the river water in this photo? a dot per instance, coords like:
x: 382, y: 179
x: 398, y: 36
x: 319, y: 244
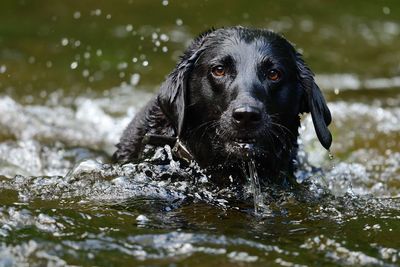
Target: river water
x: 72, y: 75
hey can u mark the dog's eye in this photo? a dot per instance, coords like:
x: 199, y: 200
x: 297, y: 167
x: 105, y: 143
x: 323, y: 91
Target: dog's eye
x: 218, y: 71
x: 274, y: 75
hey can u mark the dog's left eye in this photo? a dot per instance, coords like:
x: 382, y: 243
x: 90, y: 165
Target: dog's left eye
x: 274, y: 75
x: 218, y: 71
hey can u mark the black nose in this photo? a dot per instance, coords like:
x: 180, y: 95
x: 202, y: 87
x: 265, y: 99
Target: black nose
x: 246, y: 116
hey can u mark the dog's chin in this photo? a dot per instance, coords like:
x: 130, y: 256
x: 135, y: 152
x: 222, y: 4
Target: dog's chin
x: 243, y: 149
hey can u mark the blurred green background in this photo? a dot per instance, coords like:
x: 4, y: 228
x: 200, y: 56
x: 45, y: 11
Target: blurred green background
x: 77, y: 47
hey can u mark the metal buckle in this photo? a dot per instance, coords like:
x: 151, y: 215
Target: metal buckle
x: 180, y: 151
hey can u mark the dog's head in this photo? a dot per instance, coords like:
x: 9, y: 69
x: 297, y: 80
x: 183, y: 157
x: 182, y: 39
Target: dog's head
x: 238, y: 92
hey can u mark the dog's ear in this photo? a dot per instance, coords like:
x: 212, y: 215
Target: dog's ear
x: 314, y: 102
x: 173, y: 92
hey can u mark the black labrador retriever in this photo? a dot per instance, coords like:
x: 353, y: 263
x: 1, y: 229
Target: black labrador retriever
x: 235, y: 95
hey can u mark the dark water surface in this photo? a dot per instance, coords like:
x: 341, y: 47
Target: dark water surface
x: 72, y: 75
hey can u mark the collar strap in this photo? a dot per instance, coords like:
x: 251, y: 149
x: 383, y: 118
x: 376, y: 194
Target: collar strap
x: 179, y: 150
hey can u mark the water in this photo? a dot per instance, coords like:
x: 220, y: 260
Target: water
x: 72, y: 75
x: 252, y: 176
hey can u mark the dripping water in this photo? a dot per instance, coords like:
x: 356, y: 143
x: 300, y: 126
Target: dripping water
x: 252, y: 176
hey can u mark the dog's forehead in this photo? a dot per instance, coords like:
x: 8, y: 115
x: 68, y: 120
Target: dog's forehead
x: 245, y: 45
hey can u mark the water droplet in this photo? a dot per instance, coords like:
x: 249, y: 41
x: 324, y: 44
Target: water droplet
x: 64, y: 41
x: 164, y: 49
x: 179, y: 22
x: 74, y: 65
x: 145, y: 63
x: 31, y: 60
x: 135, y: 78
x: 331, y: 157
x: 77, y: 15
x: 129, y: 27
x: 96, y: 12
x: 386, y: 10
x: 164, y: 37
x: 3, y: 68
x: 141, y: 218
x: 134, y: 60
x: 85, y: 73
x: 122, y: 65
x: 165, y: 2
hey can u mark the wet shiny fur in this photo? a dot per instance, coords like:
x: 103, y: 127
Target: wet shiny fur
x: 235, y: 95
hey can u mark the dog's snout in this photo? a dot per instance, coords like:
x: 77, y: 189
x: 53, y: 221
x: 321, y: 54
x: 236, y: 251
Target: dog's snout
x: 246, y: 116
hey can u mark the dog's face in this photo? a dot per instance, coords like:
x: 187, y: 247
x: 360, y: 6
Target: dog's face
x: 239, y: 94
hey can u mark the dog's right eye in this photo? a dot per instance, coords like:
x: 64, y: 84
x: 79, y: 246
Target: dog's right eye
x: 218, y: 71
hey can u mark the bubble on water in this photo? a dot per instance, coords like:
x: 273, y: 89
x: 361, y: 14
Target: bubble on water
x: 164, y: 49
x: 154, y: 35
x: 77, y: 15
x: 99, y: 52
x: 86, y: 55
x: 64, y: 41
x: 108, y: 16
x: 135, y: 59
x: 49, y: 64
x: 145, y: 63
x: 165, y: 2
x: 74, y: 65
x: 77, y: 43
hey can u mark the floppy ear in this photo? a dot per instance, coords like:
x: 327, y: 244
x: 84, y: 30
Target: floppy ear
x: 314, y: 102
x: 173, y: 92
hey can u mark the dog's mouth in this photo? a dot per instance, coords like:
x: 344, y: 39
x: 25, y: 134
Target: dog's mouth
x: 241, y: 146
x: 244, y: 141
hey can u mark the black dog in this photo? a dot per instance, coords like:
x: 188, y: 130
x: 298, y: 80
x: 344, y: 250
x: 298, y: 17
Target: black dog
x: 235, y: 95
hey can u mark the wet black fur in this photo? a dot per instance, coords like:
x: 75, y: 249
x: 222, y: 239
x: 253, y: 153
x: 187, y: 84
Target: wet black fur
x: 198, y: 107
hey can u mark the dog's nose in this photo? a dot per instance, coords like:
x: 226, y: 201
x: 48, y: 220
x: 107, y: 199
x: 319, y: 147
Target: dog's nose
x: 246, y: 116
